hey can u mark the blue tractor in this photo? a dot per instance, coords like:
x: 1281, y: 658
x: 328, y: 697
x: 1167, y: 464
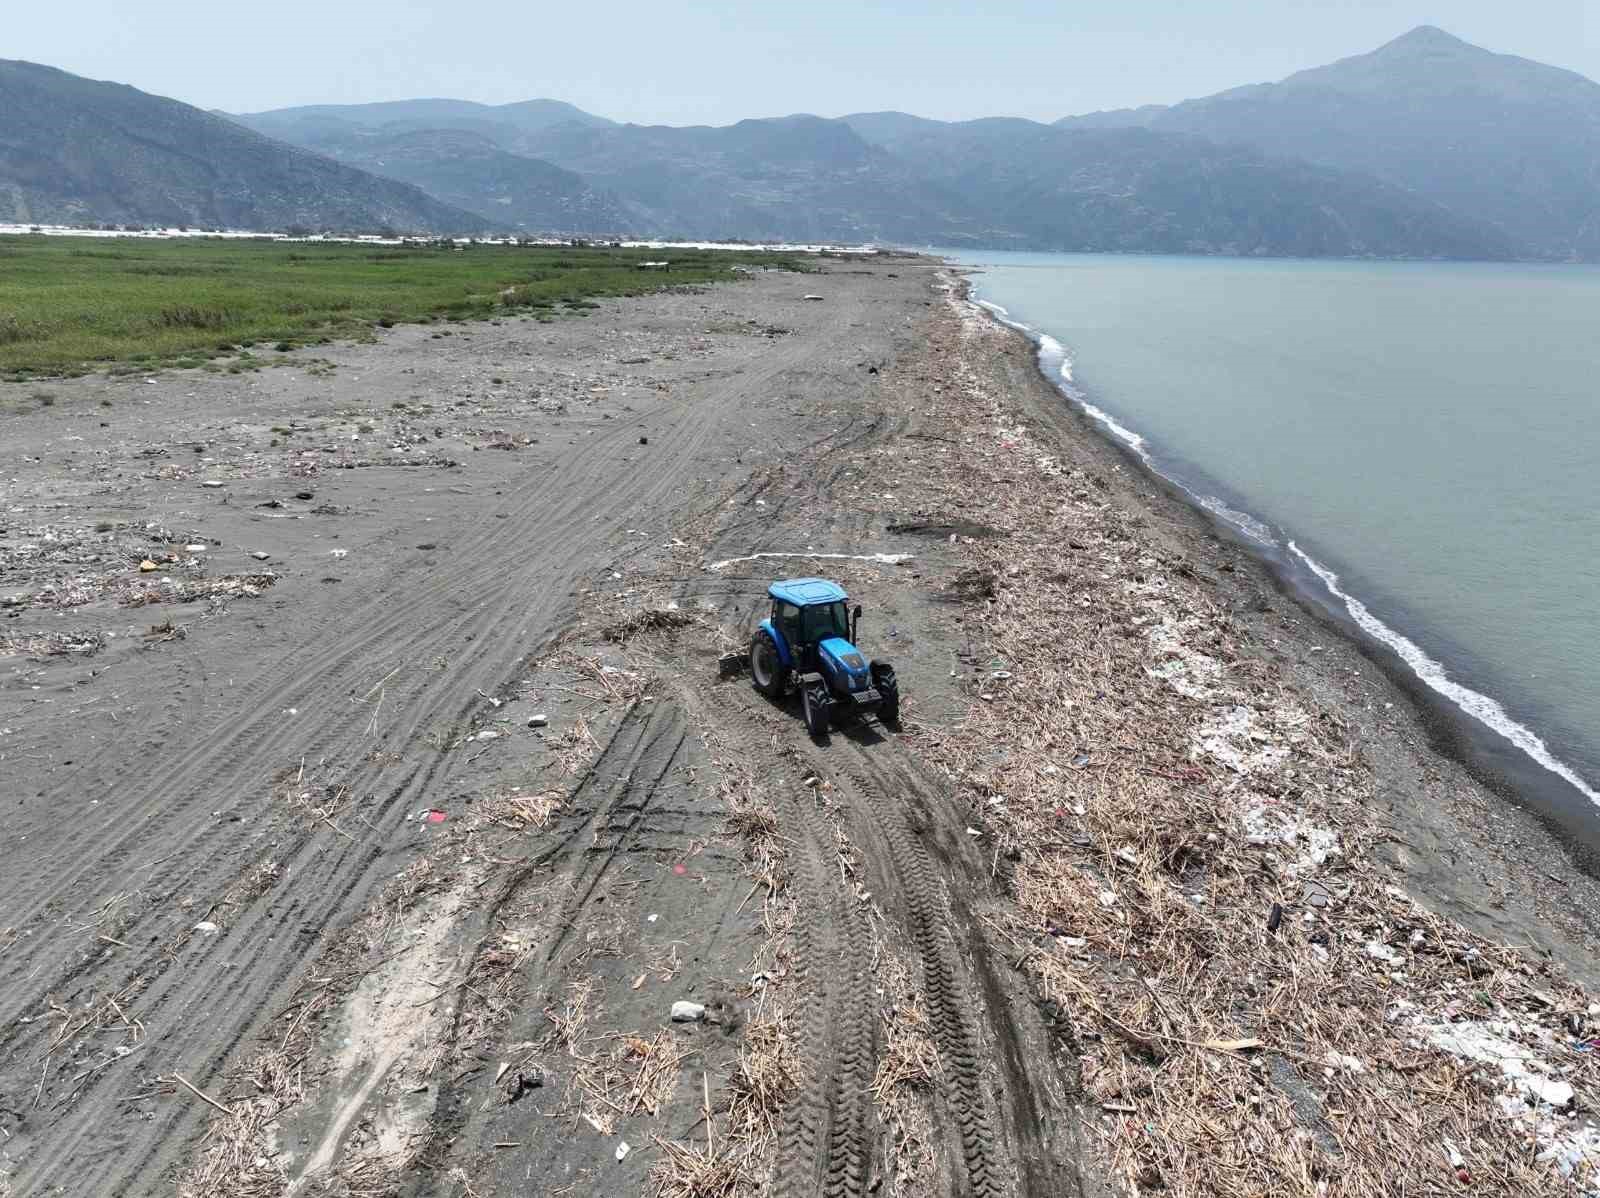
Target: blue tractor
x: 808, y: 644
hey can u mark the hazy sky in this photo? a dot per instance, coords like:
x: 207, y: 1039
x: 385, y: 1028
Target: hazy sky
x: 712, y: 63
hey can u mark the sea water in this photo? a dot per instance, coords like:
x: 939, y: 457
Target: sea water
x: 1418, y: 444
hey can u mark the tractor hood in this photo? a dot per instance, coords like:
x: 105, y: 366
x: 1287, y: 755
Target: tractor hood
x: 845, y: 662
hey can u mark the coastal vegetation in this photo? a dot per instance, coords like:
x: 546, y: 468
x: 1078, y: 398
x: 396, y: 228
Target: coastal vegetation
x: 67, y: 306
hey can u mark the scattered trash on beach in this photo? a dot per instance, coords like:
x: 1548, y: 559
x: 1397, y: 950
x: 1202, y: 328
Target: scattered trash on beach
x: 1494, y: 1042
x: 1382, y: 952
x: 1338, y: 1060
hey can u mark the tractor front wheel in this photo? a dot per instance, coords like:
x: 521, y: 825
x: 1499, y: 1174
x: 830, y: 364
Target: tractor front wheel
x: 817, y: 705
x: 767, y: 670
x: 889, y: 687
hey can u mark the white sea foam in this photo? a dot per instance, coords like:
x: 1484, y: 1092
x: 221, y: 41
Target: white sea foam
x: 1057, y: 363
x: 1243, y: 521
x: 1121, y: 432
x: 1054, y: 358
x: 1481, y: 707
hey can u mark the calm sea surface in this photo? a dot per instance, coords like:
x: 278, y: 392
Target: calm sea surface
x: 1418, y: 442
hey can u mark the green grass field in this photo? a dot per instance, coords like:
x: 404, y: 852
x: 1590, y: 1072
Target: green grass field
x: 70, y: 305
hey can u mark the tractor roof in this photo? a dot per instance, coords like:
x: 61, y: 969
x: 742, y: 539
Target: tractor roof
x: 806, y: 592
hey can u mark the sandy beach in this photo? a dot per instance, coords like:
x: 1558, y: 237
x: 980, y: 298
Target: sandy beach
x: 374, y: 794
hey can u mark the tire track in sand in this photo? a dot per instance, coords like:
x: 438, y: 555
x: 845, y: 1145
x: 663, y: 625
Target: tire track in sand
x: 826, y: 1145
x: 827, y: 1131
x: 211, y: 996
x: 926, y: 913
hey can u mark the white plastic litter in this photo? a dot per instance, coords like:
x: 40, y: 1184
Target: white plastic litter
x: 1491, y: 1043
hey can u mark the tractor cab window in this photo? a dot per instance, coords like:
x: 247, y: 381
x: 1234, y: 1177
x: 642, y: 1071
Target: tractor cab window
x: 824, y: 620
x: 787, y: 617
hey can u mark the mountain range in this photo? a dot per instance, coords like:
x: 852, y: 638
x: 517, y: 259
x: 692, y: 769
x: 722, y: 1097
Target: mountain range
x: 77, y: 151
x: 1426, y: 147
x: 1499, y: 139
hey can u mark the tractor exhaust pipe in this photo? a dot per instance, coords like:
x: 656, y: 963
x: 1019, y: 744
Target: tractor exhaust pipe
x: 855, y: 626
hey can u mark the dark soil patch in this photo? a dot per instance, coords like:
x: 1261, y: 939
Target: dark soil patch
x: 945, y: 528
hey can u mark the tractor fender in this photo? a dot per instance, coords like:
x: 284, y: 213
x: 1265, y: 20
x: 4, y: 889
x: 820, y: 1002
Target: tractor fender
x: 785, y: 656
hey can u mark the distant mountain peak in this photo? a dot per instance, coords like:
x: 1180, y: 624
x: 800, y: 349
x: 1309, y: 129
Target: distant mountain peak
x: 1424, y: 34
x: 1494, y: 138
x: 1424, y: 39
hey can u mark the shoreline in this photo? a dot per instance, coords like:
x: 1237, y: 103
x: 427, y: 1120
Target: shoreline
x: 1463, y: 830
x: 1551, y: 792
x: 1228, y: 833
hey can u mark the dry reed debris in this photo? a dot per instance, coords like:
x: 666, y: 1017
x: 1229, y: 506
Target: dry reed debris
x: 1261, y: 1010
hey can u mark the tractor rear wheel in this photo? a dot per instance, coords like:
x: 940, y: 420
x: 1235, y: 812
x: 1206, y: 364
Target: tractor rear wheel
x: 889, y: 687
x: 767, y: 670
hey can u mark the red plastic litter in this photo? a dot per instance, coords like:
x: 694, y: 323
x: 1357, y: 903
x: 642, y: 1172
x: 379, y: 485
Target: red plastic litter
x: 435, y: 817
x: 680, y: 869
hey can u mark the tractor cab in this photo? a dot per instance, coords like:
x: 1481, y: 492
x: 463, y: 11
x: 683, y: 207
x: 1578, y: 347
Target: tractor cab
x: 808, y: 643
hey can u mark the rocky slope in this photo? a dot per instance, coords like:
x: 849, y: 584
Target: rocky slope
x: 467, y: 169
